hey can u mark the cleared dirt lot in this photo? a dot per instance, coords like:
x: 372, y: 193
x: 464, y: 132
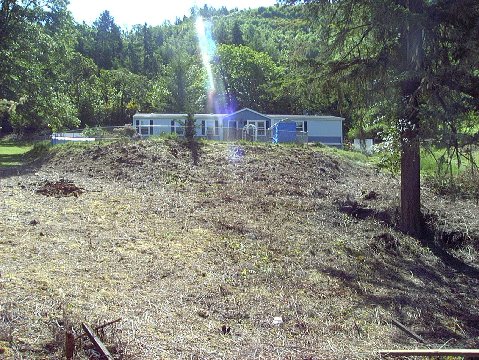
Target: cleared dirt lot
x: 180, y: 252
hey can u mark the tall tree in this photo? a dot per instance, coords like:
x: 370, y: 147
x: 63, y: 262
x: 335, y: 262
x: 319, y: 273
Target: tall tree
x: 35, y: 48
x: 237, y: 34
x: 108, y: 44
x: 247, y: 76
x: 150, y: 65
x: 186, y: 83
x: 395, y: 55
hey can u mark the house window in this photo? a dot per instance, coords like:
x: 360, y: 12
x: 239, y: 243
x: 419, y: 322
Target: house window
x: 177, y: 127
x: 302, y: 126
x: 145, y: 130
x: 207, y: 129
x: 260, y: 126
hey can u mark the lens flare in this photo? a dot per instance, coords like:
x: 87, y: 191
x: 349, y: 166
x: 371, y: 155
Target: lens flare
x: 207, y: 48
x: 208, y: 52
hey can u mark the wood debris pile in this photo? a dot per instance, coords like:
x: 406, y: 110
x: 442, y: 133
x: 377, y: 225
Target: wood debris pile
x: 60, y: 188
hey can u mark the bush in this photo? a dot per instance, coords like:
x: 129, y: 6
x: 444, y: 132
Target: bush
x: 463, y: 185
x: 93, y: 131
x: 387, y: 156
x: 126, y: 131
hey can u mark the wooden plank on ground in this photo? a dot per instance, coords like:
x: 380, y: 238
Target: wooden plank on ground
x: 99, y: 346
x: 469, y: 353
x: 99, y: 327
x: 408, y: 331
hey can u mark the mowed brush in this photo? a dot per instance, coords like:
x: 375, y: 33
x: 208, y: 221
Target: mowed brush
x: 201, y: 261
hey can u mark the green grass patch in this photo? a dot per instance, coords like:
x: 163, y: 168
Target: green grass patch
x: 435, y: 162
x: 12, y: 153
x: 348, y: 154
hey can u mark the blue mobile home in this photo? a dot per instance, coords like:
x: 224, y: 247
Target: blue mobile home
x: 246, y: 122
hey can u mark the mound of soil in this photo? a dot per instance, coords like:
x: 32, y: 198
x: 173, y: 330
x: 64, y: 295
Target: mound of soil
x: 60, y: 188
x: 199, y: 260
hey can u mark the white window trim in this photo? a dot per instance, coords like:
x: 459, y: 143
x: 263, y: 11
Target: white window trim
x: 261, y: 131
x: 205, y: 125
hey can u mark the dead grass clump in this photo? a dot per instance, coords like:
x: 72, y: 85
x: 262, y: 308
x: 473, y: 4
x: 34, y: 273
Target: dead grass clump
x: 387, y: 242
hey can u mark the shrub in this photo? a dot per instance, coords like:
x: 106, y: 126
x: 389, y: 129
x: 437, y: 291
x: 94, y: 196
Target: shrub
x: 126, y: 131
x: 93, y: 131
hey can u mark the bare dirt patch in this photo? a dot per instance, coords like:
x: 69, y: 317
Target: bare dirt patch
x: 198, y: 261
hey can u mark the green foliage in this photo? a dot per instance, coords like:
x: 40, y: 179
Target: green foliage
x: 60, y: 112
x: 169, y: 136
x: 190, y: 126
x: 127, y: 131
x: 107, y: 45
x: 348, y: 154
x: 186, y: 83
x: 7, y: 106
x: 463, y: 185
x: 248, y: 77
x: 93, y: 132
x: 388, y: 155
x: 101, y: 75
x: 190, y: 138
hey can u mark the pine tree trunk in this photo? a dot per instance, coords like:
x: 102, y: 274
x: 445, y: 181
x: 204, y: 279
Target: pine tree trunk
x: 411, y: 218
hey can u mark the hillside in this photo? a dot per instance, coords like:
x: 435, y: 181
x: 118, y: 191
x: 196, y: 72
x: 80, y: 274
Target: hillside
x: 199, y: 260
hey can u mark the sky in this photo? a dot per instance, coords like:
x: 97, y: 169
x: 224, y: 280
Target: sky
x: 129, y: 13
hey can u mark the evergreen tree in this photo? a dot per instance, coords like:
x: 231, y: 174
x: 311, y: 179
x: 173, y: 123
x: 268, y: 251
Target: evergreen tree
x: 150, y: 65
x: 108, y: 44
x: 393, y: 55
x: 237, y: 34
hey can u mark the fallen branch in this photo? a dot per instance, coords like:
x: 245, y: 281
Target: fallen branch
x: 99, y: 328
x: 408, y: 331
x: 99, y: 346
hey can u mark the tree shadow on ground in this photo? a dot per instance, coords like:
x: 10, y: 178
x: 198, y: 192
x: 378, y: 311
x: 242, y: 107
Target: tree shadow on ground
x: 428, y: 239
x: 10, y: 160
x: 438, y: 301
x: 23, y: 169
x: 448, y: 259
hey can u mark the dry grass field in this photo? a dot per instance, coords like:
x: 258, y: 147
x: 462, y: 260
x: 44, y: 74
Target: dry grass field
x: 197, y: 261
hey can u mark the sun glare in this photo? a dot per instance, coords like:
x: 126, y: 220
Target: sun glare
x: 207, y: 48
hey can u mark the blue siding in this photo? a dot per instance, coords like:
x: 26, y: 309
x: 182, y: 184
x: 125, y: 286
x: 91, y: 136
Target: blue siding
x: 326, y: 139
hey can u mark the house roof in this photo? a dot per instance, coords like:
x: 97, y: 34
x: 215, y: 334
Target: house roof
x: 176, y: 116
x: 305, y: 117
x: 246, y: 114
x: 243, y: 114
